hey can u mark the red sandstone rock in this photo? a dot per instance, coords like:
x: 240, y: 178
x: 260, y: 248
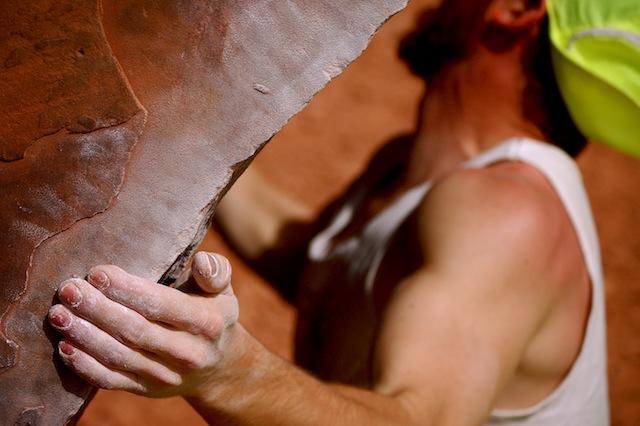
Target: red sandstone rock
x: 123, y: 124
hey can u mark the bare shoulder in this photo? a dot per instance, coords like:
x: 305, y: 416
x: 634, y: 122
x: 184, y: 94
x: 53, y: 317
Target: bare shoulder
x: 495, y: 267
x: 507, y: 213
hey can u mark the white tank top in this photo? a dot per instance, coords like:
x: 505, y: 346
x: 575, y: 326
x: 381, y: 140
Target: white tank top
x: 582, y: 397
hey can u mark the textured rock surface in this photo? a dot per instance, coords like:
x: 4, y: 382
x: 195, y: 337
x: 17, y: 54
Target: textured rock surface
x: 123, y: 124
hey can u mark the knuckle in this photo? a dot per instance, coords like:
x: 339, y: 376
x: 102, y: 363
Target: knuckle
x: 127, y: 337
x: 135, y: 335
x: 195, y: 362
x: 115, y: 359
x: 193, y: 359
x: 211, y: 326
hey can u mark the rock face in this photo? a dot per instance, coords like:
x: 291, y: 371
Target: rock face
x: 124, y: 122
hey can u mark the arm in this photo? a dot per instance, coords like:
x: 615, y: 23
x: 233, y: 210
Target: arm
x: 450, y: 339
x: 254, y: 214
x: 269, y: 228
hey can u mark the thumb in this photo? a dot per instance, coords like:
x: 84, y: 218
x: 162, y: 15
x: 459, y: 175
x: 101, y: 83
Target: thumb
x: 212, y: 272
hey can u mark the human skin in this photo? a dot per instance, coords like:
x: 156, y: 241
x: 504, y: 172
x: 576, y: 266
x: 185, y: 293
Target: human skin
x: 454, y: 343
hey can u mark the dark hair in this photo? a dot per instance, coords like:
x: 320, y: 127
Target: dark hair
x: 557, y: 124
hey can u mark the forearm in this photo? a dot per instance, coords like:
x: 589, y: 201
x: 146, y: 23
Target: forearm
x: 268, y: 229
x: 254, y: 213
x: 264, y: 389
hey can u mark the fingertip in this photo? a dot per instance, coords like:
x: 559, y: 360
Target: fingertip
x: 65, y: 349
x: 202, y: 271
x: 212, y: 271
x: 221, y: 265
x: 54, y: 309
x: 98, y: 277
x: 59, y: 317
x: 221, y: 276
x: 201, y: 264
x: 69, y: 292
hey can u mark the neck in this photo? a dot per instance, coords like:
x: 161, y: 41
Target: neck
x: 469, y: 107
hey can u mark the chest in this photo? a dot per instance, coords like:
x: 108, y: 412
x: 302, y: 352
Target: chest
x: 345, y: 293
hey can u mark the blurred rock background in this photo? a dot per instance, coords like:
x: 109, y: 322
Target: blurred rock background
x: 325, y: 146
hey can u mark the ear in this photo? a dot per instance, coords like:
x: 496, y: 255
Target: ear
x: 516, y: 15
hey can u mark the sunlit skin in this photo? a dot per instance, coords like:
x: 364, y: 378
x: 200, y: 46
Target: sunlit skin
x: 494, y: 317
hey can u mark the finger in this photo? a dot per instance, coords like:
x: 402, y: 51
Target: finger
x: 97, y: 374
x: 212, y: 272
x: 108, y: 351
x: 153, y: 301
x: 129, y: 327
x: 183, y: 279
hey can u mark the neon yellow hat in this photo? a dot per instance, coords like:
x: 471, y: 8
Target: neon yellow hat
x: 596, y: 56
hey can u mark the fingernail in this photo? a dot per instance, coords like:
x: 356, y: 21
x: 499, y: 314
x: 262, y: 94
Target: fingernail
x: 202, y: 264
x: 70, y: 294
x: 66, y: 348
x: 215, y: 264
x: 60, y: 318
x: 99, y: 279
